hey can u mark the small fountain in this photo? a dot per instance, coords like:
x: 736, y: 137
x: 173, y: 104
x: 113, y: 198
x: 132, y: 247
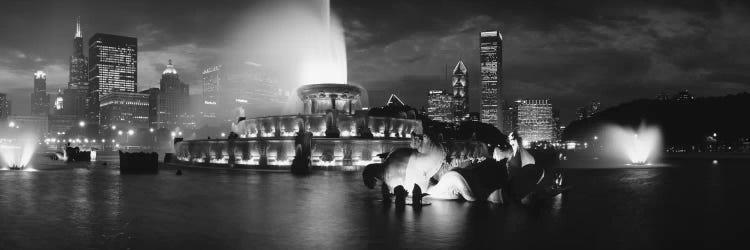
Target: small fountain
x: 641, y: 146
x: 17, y: 152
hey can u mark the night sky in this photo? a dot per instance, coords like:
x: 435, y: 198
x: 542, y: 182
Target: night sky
x: 571, y: 52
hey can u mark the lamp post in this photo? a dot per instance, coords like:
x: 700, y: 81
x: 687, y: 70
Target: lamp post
x: 127, y: 138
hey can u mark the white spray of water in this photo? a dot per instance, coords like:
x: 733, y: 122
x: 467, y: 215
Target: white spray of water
x: 639, y: 146
x: 17, y: 152
x: 302, y: 41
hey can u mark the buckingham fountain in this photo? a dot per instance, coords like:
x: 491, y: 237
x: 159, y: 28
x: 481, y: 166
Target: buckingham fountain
x: 333, y: 130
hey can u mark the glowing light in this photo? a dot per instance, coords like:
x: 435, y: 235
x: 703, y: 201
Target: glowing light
x: 82, y: 124
x: 223, y: 134
x: 151, y: 130
x: 119, y: 132
x: 40, y: 75
x: 11, y: 124
x: 174, y: 134
x: 715, y: 162
x: 131, y: 132
x: 639, y: 146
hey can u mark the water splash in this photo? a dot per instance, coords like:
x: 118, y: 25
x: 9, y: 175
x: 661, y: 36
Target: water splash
x: 639, y: 145
x: 17, y: 152
x: 301, y: 41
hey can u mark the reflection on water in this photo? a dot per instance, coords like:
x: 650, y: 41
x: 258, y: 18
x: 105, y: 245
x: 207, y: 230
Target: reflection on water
x: 98, y: 208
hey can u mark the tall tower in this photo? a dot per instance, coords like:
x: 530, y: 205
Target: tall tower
x: 76, y: 98
x: 212, y: 78
x: 460, y: 84
x: 39, y: 98
x: 173, y: 99
x: 78, y: 75
x: 491, y: 63
x: 113, y: 66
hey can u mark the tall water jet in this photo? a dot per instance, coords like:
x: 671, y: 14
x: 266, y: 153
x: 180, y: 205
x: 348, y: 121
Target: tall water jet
x: 300, y: 41
x: 639, y: 146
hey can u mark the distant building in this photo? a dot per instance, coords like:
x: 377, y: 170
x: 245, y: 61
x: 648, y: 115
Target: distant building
x: 589, y: 110
x: 4, y: 107
x: 212, y: 78
x: 474, y: 117
x: 662, y: 96
x: 78, y: 75
x: 153, y: 107
x: 60, y: 123
x: 581, y: 113
x: 125, y: 110
x: 76, y: 98
x: 59, y: 104
x: 113, y: 66
x: 491, y: 63
x: 510, y: 117
x: 39, y: 97
x: 394, y: 101
x: 535, y: 121
x: 460, y: 85
x: 684, y: 96
x: 173, y: 99
x: 439, y: 105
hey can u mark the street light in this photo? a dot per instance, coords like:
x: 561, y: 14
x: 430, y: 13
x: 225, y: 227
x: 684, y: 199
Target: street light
x: 131, y: 132
x: 11, y: 124
x: 151, y: 130
x: 119, y: 132
x: 82, y: 124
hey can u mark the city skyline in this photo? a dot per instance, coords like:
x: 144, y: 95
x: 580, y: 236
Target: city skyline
x: 633, y: 52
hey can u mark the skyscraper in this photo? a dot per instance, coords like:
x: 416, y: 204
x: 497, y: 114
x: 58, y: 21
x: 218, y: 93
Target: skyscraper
x: 153, y: 107
x: 535, y: 121
x: 78, y: 74
x: 460, y: 84
x: 212, y: 77
x: 173, y: 99
x: 439, y: 105
x: 4, y: 107
x: 112, y: 67
x: 491, y: 63
x: 75, y: 99
x: 39, y: 97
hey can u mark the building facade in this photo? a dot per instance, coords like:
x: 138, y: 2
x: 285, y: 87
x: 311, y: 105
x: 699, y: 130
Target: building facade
x: 211, y: 80
x: 124, y: 110
x: 439, y: 105
x: 535, y: 121
x: 39, y: 97
x: 173, y: 99
x: 113, y: 66
x: 153, y: 107
x: 491, y: 63
x: 460, y: 85
x: 510, y: 117
x: 4, y: 107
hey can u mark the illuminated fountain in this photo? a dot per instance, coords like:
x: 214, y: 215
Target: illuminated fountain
x: 16, y: 153
x: 641, y: 146
x: 330, y: 128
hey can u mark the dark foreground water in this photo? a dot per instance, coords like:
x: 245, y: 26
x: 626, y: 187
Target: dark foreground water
x: 694, y: 204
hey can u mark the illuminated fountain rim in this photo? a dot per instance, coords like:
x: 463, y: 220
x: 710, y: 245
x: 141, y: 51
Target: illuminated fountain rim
x: 330, y: 88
